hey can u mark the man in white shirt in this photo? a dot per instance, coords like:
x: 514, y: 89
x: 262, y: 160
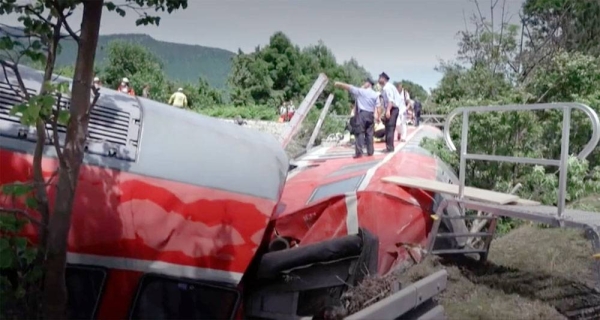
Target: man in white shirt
x: 391, y: 104
x: 365, y: 114
x: 404, y: 103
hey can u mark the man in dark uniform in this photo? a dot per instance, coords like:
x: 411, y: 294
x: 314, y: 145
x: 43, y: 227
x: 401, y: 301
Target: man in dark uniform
x: 417, y: 109
x: 391, y: 103
x: 366, y: 103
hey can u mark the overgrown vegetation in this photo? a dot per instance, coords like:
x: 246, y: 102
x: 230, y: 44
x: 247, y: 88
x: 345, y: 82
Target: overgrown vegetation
x: 546, y: 59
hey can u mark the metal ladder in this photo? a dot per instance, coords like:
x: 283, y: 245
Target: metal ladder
x: 554, y: 216
x: 465, y: 250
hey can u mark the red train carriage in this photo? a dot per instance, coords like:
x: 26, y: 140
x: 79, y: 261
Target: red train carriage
x: 163, y: 194
x: 178, y: 215
x: 338, y: 222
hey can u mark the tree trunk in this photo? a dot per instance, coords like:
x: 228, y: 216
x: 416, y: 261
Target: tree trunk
x: 55, y: 291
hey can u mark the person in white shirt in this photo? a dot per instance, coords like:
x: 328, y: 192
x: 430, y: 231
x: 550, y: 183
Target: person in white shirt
x: 97, y: 83
x: 282, y: 109
x: 404, y: 103
x: 364, y: 114
x: 391, y: 105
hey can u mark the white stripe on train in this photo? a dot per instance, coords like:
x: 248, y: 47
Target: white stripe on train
x: 160, y: 267
x: 351, y: 200
x: 371, y: 172
x: 177, y: 270
x: 351, y: 213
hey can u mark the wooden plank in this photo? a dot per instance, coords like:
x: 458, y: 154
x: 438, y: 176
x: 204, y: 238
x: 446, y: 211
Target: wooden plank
x: 313, y: 137
x: 303, y: 109
x: 525, y: 202
x: 452, y: 189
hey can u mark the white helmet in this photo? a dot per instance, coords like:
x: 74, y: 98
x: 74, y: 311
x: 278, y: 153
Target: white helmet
x: 96, y: 79
x: 125, y: 80
x: 180, y: 89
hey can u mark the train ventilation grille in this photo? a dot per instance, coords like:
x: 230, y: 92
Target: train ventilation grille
x: 107, y: 126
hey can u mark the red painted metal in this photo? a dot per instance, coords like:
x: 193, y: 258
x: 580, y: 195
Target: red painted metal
x: 145, y: 220
x: 397, y: 216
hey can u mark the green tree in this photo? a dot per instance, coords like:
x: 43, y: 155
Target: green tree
x: 281, y: 71
x: 250, y: 80
x: 138, y: 64
x: 202, y: 95
x: 493, y: 68
x: 569, y: 25
x: 355, y: 73
x: 415, y: 90
x: 320, y: 59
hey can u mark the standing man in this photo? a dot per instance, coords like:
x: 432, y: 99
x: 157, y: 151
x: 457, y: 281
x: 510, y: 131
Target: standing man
x: 417, y: 108
x: 366, y: 103
x: 403, y: 105
x: 291, y: 110
x: 391, y: 103
x: 178, y: 99
x: 146, y: 91
x: 97, y: 83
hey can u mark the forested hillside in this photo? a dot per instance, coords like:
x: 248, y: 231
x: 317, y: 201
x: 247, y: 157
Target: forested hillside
x: 180, y: 62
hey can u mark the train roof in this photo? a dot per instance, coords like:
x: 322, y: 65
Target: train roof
x: 329, y: 171
x: 150, y: 138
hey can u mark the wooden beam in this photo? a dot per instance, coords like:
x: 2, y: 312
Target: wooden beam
x: 452, y: 189
x: 308, y: 102
x: 313, y: 137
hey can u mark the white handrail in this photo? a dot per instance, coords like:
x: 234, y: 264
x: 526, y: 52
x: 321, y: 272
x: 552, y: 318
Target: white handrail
x: 562, y: 163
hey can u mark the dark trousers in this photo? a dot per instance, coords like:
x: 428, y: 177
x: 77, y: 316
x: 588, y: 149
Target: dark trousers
x: 417, y: 117
x: 390, y: 129
x: 366, y: 122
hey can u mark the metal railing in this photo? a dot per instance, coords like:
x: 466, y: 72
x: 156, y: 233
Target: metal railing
x: 564, y: 150
x: 436, y: 120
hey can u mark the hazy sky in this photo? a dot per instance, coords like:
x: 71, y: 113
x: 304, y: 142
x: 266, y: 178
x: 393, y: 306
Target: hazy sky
x: 404, y: 38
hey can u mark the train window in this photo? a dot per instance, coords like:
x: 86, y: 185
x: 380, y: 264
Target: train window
x: 84, y: 286
x: 334, y: 188
x: 161, y: 297
x: 354, y: 168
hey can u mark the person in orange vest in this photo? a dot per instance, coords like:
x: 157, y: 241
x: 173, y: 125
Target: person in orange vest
x: 125, y: 87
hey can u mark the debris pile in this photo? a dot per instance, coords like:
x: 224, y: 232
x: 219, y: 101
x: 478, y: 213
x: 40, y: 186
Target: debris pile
x: 533, y: 273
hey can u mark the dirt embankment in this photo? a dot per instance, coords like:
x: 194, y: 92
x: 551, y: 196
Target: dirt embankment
x: 532, y: 273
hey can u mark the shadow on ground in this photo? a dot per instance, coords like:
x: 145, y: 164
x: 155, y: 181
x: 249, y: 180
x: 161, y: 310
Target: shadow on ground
x: 532, y: 273
x: 574, y: 300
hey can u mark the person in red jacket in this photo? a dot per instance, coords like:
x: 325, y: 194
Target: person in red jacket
x: 125, y: 87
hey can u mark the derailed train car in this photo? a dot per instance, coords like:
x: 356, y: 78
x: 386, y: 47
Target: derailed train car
x: 339, y: 222
x: 170, y: 209
x: 178, y: 215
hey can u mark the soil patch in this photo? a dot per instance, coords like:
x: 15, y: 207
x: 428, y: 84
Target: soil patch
x: 532, y: 273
